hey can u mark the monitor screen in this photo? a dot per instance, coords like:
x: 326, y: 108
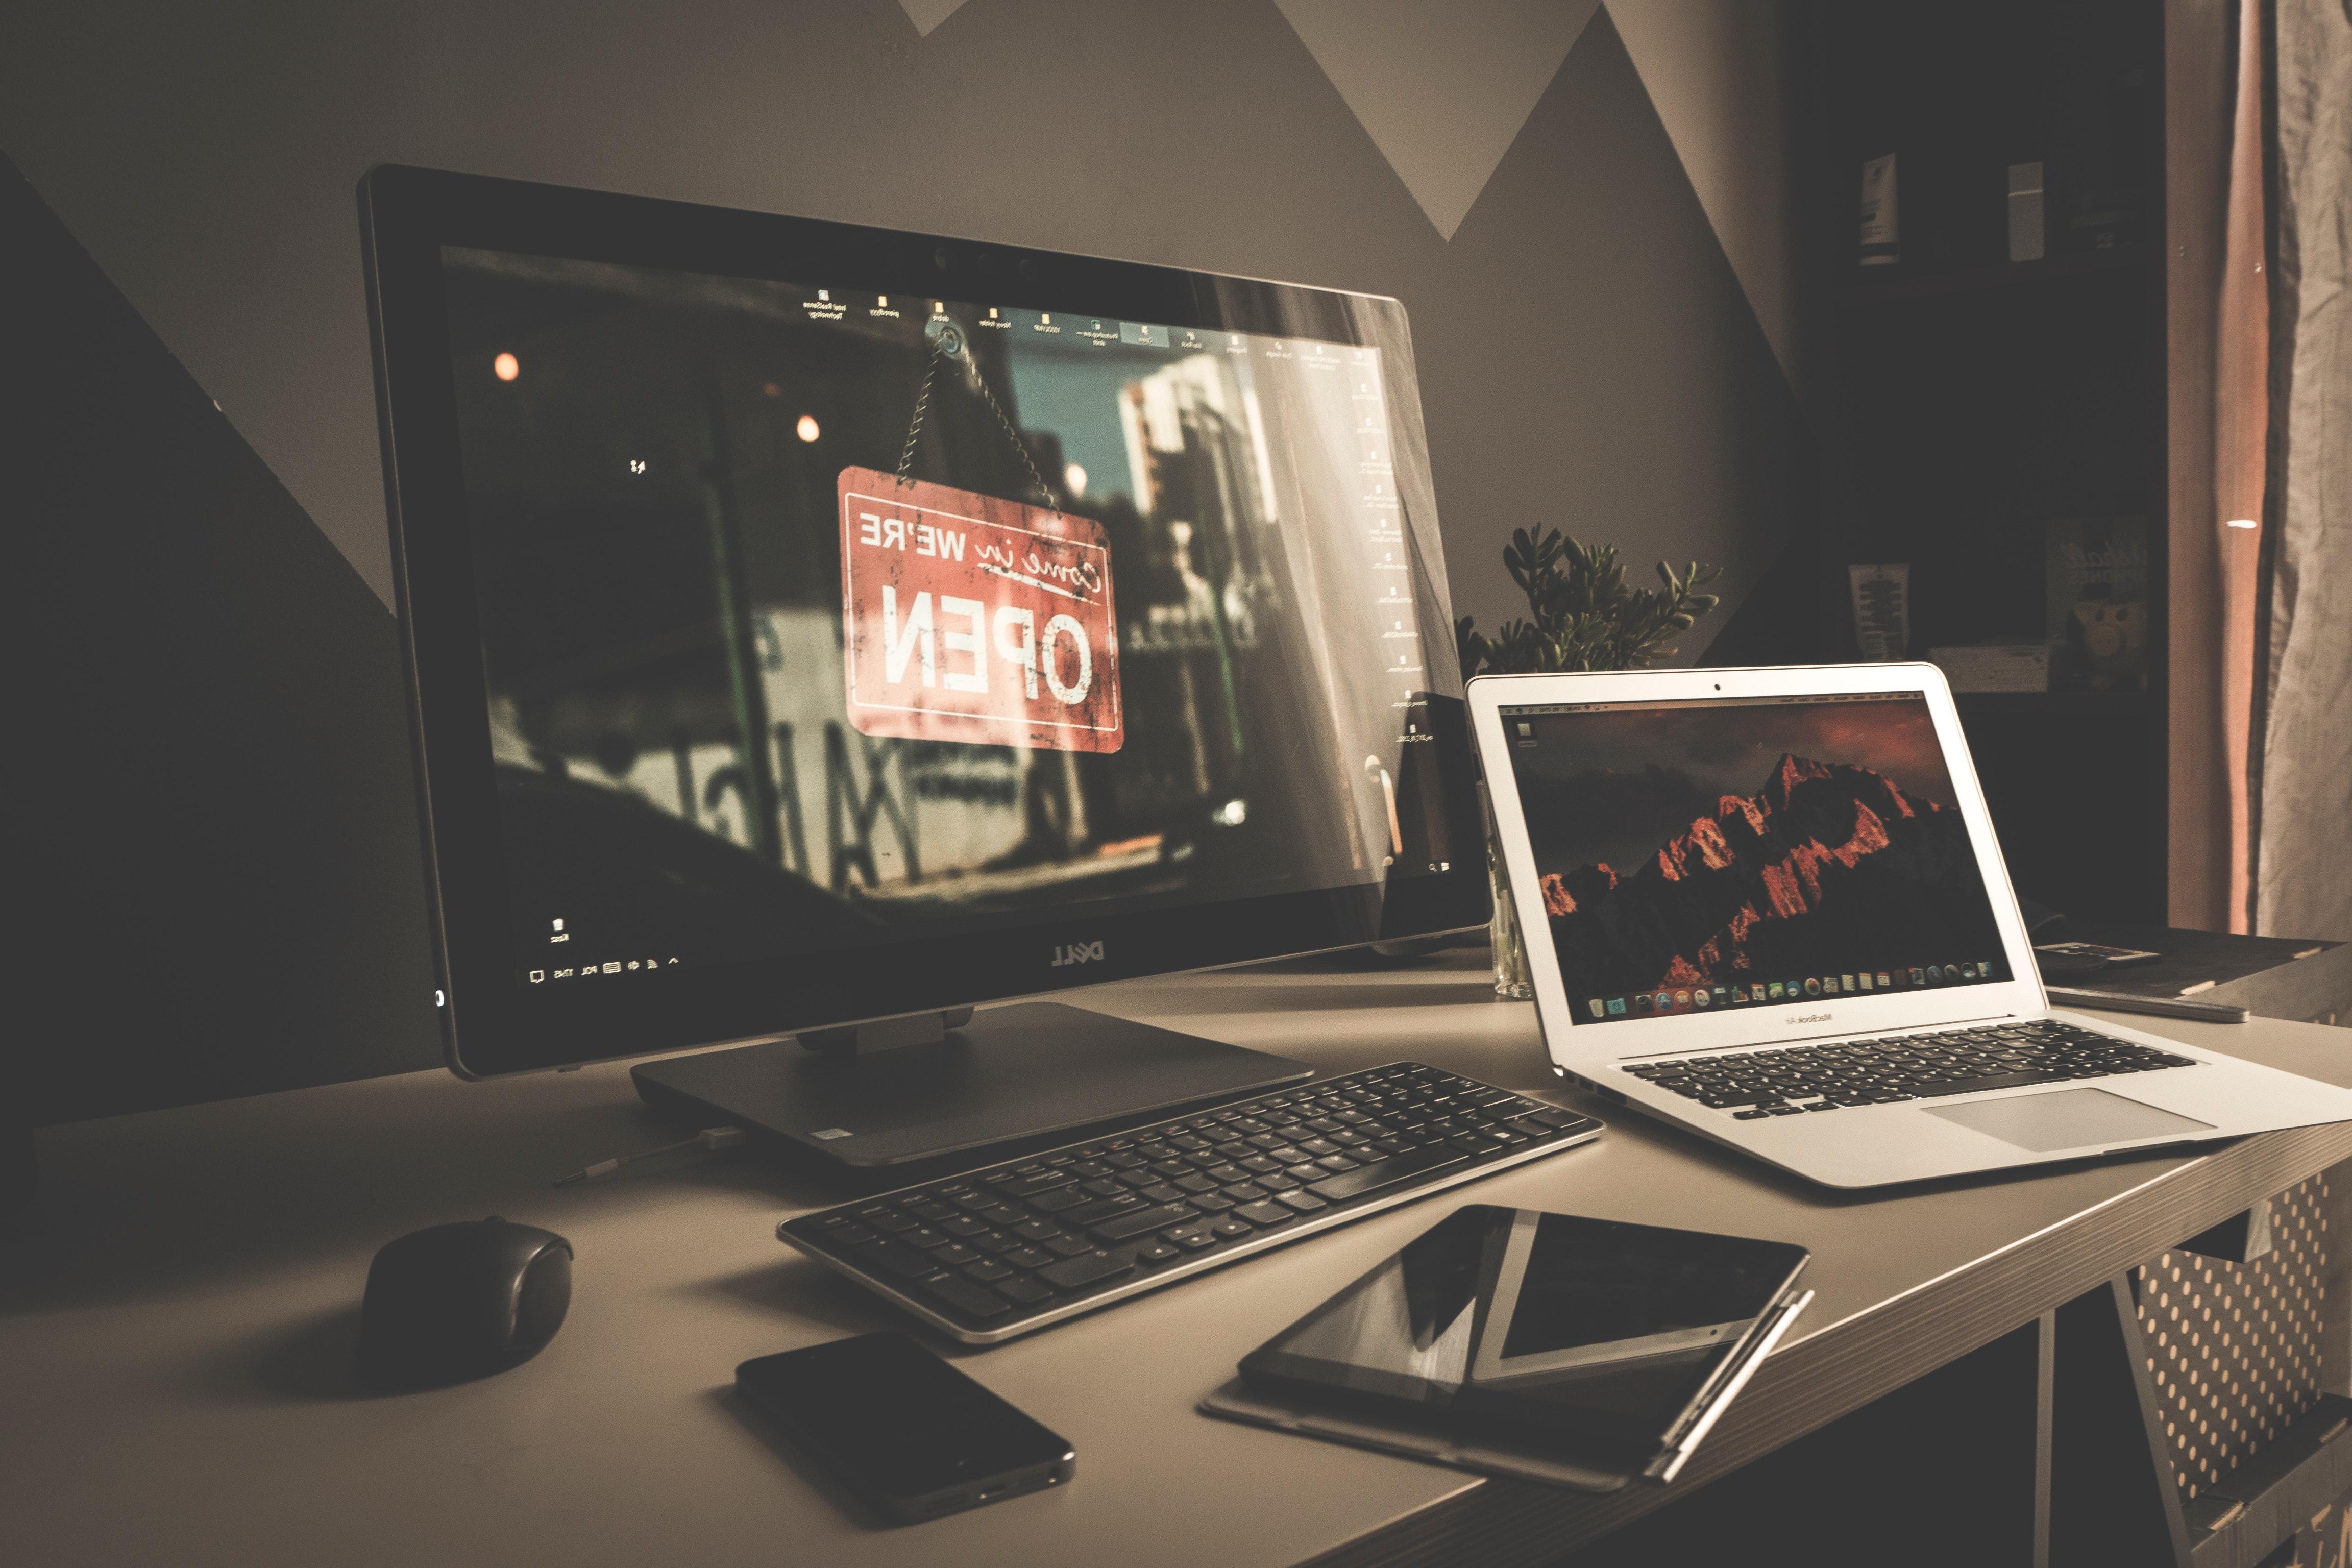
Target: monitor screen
x: 1733, y: 852
x: 815, y: 617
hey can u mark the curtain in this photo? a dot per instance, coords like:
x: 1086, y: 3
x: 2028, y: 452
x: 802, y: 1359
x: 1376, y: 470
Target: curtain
x: 2301, y: 783
x: 2241, y: 446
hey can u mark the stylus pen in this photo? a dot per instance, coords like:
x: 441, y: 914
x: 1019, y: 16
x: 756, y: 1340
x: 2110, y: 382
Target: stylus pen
x: 1666, y: 1464
x: 2162, y: 1006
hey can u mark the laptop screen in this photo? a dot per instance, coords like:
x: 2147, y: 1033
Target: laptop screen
x: 1732, y: 852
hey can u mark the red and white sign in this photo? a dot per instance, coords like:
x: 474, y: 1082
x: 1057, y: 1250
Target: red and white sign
x: 969, y: 617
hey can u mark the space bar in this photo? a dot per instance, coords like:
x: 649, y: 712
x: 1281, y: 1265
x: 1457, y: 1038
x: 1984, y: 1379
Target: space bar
x: 1973, y: 1085
x: 1382, y: 1173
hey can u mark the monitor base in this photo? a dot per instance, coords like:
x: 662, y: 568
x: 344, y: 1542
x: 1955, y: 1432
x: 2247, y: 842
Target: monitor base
x: 1014, y: 1079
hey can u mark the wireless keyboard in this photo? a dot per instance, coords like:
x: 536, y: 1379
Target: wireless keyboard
x: 1013, y: 1248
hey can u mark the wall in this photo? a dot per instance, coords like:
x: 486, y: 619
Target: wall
x: 1578, y: 203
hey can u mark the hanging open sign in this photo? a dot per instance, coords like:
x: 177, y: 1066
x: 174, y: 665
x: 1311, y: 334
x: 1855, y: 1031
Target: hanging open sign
x: 969, y: 617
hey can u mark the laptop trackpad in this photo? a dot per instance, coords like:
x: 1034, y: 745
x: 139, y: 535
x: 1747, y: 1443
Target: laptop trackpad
x: 2066, y: 1118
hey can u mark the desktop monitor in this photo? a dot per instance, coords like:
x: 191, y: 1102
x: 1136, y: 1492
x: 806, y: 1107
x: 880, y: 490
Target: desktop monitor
x: 809, y: 624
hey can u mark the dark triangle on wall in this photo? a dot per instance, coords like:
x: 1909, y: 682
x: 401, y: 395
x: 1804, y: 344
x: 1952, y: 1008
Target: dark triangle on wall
x: 214, y: 846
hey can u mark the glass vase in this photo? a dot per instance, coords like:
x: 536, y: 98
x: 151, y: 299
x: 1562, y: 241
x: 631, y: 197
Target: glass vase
x: 1512, y: 977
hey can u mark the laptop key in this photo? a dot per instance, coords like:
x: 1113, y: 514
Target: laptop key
x: 1997, y: 1080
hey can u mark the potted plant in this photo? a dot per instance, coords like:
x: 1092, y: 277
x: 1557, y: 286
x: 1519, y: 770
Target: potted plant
x: 1582, y: 615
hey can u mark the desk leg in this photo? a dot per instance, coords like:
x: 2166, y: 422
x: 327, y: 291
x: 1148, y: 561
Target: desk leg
x: 2111, y: 1494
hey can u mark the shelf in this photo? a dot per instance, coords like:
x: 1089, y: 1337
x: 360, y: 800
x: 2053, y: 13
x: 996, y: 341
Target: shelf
x: 2051, y: 703
x: 2003, y: 275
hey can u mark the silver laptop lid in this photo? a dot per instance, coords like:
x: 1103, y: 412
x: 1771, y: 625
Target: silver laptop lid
x: 1739, y: 856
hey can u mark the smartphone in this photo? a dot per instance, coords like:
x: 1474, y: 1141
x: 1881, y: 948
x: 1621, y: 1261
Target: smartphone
x: 909, y: 1434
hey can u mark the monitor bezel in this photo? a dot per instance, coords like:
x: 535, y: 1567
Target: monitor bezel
x: 490, y: 1025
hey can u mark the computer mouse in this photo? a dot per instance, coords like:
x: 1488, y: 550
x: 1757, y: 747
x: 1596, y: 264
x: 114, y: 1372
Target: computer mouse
x: 456, y: 1302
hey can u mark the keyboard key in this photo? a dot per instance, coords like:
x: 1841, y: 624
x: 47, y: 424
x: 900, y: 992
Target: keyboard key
x: 1036, y: 1229
x: 1263, y: 1214
x: 1134, y: 1222
x: 967, y: 1297
x: 1002, y: 1215
x: 901, y: 1262
x: 955, y: 1254
x: 1214, y: 1203
x: 1028, y: 1293
x: 1230, y: 1229
x: 1028, y: 1257
x: 1381, y: 1173
x: 1065, y: 1245
x: 964, y: 1227
x: 891, y: 1219
x: 1060, y: 1198
x: 988, y: 1271
x: 1158, y: 1252
x: 1103, y: 1208
x: 1088, y: 1268
x: 1024, y: 1186
x: 1305, y: 1202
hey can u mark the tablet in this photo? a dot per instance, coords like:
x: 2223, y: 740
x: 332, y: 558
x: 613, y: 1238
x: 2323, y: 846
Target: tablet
x: 1599, y: 1341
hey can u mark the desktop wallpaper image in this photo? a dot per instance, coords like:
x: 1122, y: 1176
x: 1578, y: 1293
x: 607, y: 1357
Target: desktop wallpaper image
x: 1730, y: 844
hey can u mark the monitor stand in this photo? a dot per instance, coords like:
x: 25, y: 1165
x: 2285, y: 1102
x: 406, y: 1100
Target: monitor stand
x: 1003, y: 1081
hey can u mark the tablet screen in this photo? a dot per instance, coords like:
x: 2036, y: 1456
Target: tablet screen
x: 1590, y: 1336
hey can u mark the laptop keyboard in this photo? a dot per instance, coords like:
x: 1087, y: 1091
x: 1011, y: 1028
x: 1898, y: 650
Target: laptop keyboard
x: 1012, y: 1247
x: 1752, y: 1085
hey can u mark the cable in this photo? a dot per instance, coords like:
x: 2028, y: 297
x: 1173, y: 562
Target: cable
x: 716, y: 1140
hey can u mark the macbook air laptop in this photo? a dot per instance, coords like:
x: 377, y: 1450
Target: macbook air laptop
x: 1768, y: 905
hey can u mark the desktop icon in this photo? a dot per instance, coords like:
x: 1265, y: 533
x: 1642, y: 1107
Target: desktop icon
x: 1884, y: 983
x: 1598, y: 1010
x: 1699, y: 998
x: 1665, y: 1001
x: 1775, y: 991
x: 1642, y: 1003
x: 1616, y: 1006
x: 1722, y: 995
x: 1846, y: 981
x: 1812, y: 987
x: 1918, y: 975
x: 1682, y: 999
x: 1865, y: 980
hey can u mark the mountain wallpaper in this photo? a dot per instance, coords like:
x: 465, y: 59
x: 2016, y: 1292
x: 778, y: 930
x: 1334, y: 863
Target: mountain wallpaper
x: 1812, y: 866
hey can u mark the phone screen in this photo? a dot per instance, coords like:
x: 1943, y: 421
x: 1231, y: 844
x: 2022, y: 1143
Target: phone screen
x: 904, y: 1429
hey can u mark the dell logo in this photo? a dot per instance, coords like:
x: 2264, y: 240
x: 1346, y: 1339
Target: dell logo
x: 1078, y: 952
x: 1810, y: 1018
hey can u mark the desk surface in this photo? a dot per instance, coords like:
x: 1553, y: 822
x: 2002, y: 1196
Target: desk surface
x: 175, y: 1321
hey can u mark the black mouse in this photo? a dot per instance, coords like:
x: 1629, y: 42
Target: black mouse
x: 460, y: 1302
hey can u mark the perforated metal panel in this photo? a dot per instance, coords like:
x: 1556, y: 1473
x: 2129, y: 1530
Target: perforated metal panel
x: 2235, y: 1348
